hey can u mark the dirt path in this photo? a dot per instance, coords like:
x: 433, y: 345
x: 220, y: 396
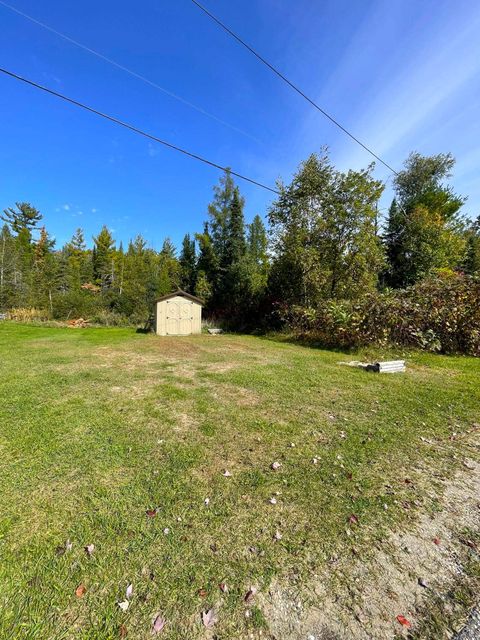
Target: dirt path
x: 412, y: 576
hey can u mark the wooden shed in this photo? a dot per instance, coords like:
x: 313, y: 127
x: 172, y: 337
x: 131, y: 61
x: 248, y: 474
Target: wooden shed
x: 178, y: 314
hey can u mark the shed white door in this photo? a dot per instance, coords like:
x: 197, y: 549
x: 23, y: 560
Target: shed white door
x: 179, y: 318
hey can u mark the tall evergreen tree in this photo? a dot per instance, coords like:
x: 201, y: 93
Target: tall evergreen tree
x: 219, y: 213
x: 45, y: 272
x: 24, y: 218
x: 103, y: 259
x: 207, y: 265
x: 7, y: 266
x: 257, y: 252
x: 188, y: 264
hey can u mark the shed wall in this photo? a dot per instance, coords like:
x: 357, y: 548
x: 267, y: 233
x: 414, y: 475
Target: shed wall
x: 178, y: 316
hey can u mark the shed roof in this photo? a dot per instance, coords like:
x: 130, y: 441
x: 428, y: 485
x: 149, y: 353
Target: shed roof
x: 183, y: 294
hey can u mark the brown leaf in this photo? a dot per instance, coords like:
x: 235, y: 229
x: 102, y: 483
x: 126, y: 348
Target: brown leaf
x: 202, y: 593
x: 209, y: 618
x: 122, y: 631
x: 353, y: 519
x: 436, y: 541
x: 151, y: 513
x: 158, y: 624
x: 80, y: 590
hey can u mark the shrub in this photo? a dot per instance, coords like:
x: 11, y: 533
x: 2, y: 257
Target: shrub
x: 28, y: 314
x: 438, y: 314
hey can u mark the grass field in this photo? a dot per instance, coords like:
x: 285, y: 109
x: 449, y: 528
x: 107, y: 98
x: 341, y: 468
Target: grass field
x: 101, y: 427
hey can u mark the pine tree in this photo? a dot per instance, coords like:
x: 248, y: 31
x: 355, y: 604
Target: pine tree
x: 45, y: 272
x: 7, y: 265
x: 233, y: 287
x: 219, y: 213
x: 103, y: 264
x: 257, y: 244
x: 188, y: 264
x: 235, y: 246
x: 207, y: 265
x: 24, y: 218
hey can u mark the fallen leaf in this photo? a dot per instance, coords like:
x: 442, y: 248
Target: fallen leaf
x: 209, y: 618
x: 404, y: 622
x: 80, y: 590
x: 353, y: 519
x: 223, y: 587
x: 129, y: 591
x: 202, y: 593
x: 275, y: 466
x: 122, y: 631
x: 158, y: 624
x: 250, y: 595
x: 89, y: 549
x: 436, y: 541
x: 151, y: 513
x: 123, y: 605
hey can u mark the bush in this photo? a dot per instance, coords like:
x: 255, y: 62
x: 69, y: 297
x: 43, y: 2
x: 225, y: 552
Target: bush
x: 75, y: 304
x: 28, y: 314
x: 437, y: 314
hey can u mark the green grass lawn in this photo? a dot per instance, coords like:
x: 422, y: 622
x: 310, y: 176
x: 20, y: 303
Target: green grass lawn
x: 97, y: 426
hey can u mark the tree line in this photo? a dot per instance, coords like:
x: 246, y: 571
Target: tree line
x: 324, y: 241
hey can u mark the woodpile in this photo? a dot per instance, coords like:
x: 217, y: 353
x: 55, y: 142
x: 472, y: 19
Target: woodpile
x: 79, y: 323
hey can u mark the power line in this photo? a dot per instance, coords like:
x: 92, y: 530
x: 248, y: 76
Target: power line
x: 131, y: 127
x: 291, y: 84
x: 122, y: 67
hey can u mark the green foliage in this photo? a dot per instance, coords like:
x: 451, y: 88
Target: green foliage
x: 257, y: 252
x: 188, y: 264
x: 322, y: 249
x: 324, y: 234
x: 424, y: 231
x: 103, y: 265
x: 23, y: 218
x: 471, y: 263
x: 441, y: 313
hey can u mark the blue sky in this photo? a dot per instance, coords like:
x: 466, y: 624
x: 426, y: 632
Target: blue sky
x: 401, y: 74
